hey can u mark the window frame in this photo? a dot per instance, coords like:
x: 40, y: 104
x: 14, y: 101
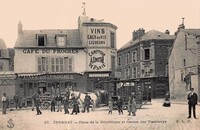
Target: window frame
x: 64, y: 40
x: 45, y: 39
x: 145, y: 54
x: 127, y: 73
x: 134, y: 52
x: 112, y: 39
x: 134, y: 71
x: 127, y: 58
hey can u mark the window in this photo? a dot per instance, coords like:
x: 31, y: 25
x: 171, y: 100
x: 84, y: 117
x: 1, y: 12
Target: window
x: 119, y: 61
x: 113, y: 64
x: 61, y: 40
x: 134, y: 72
x: 185, y: 42
x: 1, y: 67
x: 147, y: 71
x: 53, y: 64
x: 127, y: 73
x: 184, y: 62
x: 134, y: 57
x: 127, y: 58
x: 41, y: 40
x: 0, y: 53
x: 68, y: 63
x: 58, y: 64
x: 43, y: 64
x: 112, y: 39
x: 146, y: 54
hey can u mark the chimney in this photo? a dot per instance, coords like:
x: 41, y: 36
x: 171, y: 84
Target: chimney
x: 135, y: 35
x: 20, y: 28
x: 138, y: 33
x: 167, y: 32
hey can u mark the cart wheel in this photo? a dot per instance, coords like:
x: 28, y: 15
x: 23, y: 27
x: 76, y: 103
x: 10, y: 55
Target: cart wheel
x: 45, y: 105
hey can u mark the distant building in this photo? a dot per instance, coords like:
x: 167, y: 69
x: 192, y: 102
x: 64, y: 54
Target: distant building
x: 4, y: 57
x: 184, y: 64
x: 7, y: 76
x: 54, y: 60
x: 144, y: 58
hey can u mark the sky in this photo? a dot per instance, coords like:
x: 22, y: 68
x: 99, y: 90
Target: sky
x: 127, y: 15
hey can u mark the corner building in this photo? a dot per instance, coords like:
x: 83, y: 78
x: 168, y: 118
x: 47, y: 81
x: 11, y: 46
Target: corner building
x: 144, y: 58
x: 54, y: 60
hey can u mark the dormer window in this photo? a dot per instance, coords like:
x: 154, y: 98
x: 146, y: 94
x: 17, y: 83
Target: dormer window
x: 41, y: 40
x: 61, y: 40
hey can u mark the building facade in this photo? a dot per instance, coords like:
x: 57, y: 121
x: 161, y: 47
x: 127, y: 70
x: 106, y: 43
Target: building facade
x: 55, y: 60
x: 7, y: 76
x: 144, y: 58
x: 184, y: 64
x: 4, y: 57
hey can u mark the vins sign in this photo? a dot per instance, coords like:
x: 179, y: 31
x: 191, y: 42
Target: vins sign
x: 96, y: 36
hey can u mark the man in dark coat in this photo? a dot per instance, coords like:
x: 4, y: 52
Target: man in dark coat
x: 119, y: 105
x: 66, y: 104
x: 87, y: 102
x: 37, y: 104
x: 192, y: 102
x: 16, y: 99
x: 75, y: 104
x: 53, y: 103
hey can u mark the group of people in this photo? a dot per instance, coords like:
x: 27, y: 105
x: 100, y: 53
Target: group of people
x: 131, y: 105
x: 66, y: 101
x: 36, y: 102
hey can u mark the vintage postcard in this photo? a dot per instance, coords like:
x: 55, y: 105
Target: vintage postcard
x: 99, y: 65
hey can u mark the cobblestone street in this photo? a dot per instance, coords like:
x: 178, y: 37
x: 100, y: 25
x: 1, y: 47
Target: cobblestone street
x: 149, y: 117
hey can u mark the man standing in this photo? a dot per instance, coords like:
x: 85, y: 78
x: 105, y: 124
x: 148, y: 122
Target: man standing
x: 53, y: 103
x: 16, y: 99
x: 4, y: 102
x: 119, y: 105
x: 87, y: 102
x: 59, y: 101
x: 33, y: 100
x: 66, y: 104
x: 192, y: 102
x: 37, y: 104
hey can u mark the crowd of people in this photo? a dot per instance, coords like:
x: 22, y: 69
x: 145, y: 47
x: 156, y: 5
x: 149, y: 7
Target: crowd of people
x: 69, y: 100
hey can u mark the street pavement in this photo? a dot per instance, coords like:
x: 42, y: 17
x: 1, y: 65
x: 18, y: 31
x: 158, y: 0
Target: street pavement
x: 150, y: 117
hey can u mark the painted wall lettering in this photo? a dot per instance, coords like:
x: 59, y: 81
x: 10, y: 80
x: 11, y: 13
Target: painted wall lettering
x: 97, y: 60
x: 50, y: 51
x: 96, y: 36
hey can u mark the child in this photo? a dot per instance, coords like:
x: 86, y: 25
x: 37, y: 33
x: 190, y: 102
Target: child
x: 110, y: 105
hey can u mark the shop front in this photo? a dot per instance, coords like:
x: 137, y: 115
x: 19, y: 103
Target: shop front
x: 27, y: 84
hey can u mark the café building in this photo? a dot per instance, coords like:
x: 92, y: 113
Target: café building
x: 55, y: 60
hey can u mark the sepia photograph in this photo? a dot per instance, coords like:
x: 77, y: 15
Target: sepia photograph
x: 99, y: 65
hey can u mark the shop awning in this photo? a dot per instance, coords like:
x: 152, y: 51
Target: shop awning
x: 99, y: 75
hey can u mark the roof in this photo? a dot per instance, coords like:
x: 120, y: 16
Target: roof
x: 87, y: 21
x: 28, y: 37
x: 2, y: 44
x: 191, y: 31
x: 151, y: 35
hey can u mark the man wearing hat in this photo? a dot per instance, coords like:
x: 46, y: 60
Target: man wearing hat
x: 4, y: 102
x: 192, y: 102
x: 87, y: 102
